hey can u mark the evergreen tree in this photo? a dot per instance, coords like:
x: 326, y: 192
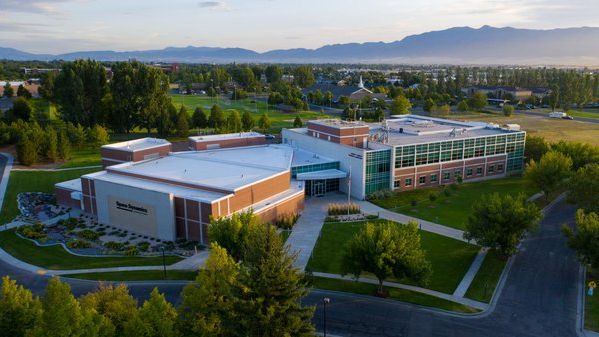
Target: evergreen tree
x: 234, y: 123
x: 271, y: 306
x: 463, y: 106
x: 97, y: 135
x: 297, y: 122
x: 26, y: 149
x: 64, y: 146
x: 429, y: 105
x: 199, y: 118
x: 217, y: 117
x: 508, y: 110
x: 23, y: 92
x: 19, y: 310
x: 584, y: 188
x: 21, y: 109
x: 8, y: 90
x: 156, y: 318
x: 209, y: 304
x: 478, y: 101
x: 247, y: 121
x: 51, y: 145
x: 166, y: 120
x: 182, y: 122
x: 77, y: 135
x: 264, y: 122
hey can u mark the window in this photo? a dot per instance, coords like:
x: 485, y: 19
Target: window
x: 457, y: 173
x: 408, y: 182
x: 422, y: 180
x: 479, y: 171
x: 499, y: 167
x: 396, y: 184
x: 446, y: 175
x: 491, y: 169
x: 433, y: 178
x: 468, y: 172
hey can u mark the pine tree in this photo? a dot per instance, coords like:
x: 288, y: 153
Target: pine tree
x: 64, y: 146
x: 19, y: 310
x: 271, y: 305
x: 264, y: 122
x: 51, y: 145
x: 97, y: 135
x: 26, y: 150
x: 234, y: 122
x: 217, y: 117
x: 209, y: 304
x: 182, y: 122
x: 297, y: 122
x: 247, y: 121
x: 8, y: 90
x: 199, y: 119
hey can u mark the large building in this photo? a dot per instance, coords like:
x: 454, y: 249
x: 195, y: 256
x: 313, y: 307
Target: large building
x: 148, y: 189
x: 411, y: 151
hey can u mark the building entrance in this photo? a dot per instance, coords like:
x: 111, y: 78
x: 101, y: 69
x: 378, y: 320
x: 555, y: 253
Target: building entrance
x: 318, y: 187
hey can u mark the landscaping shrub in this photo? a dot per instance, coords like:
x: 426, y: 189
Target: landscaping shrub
x: 113, y: 245
x: 286, y: 221
x: 88, y: 234
x: 78, y: 244
x: 342, y: 209
x: 35, y: 231
x: 382, y: 194
x: 432, y: 197
x: 372, y: 216
x: 187, y: 245
x: 143, y: 246
x: 330, y: 219
x: 71, y: 223
x: 132, y: 251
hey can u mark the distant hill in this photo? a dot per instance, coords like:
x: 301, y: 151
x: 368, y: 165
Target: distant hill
x: 459, y: 45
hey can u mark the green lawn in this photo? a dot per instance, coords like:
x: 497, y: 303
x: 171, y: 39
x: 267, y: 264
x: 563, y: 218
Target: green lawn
x: 87, y: 156
x: 138, y: 275
x: 278, y: 118
x: 55, y: 257
x: 394, y: 293
x: 591, y: 303
x: 450, y: 258
x: 453, y: 210
x: 33, y: 181
x: 586, y: 114
x: 486, y: 279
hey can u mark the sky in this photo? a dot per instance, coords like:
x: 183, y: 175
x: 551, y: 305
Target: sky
x: 59, y: 26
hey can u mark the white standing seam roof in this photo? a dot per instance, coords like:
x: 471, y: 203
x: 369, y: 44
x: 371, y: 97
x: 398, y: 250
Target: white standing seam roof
x: 226, y: 169
x: 137, y: 144
x: 74, y: 184
x: 237, y: 135
x: 303, y: 157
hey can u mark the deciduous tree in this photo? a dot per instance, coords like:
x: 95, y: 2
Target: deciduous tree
x: 401, y: 105
x: 247, y: 121
x: 584, y: 239
x: 584, y: 188
x: 550, y: 173
x: 19, y: 309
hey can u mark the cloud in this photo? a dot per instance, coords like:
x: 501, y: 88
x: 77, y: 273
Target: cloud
x: 213, y: 4
x: 31, y: 6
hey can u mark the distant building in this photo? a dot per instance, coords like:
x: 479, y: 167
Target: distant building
x: 31, y: 85
x: 499, y: 91
x: 39, y: 71
x: 354, y: 93
x: 167, y: 67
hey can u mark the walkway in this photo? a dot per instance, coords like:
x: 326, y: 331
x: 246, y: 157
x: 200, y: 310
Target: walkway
x: 460, y: 291
x: 448, y: 297
x: 370, y: 208
x: 307, y: 229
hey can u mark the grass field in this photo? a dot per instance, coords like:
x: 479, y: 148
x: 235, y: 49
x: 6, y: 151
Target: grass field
x: 450, y: 258
x: 33, y: 181
x: 87, y: 156
x: 394, y: 293
x: 485, y: 281
x: 453, y: 210
x: 138, y: 275
x: 256, y: 108
x: 591, y: 304
x: 552, y: 129
x: 55, y: 257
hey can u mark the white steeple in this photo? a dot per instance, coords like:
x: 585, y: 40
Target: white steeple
x: 361, y: 84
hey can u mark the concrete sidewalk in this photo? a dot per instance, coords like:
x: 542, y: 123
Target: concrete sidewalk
x: 370, y: 208
x: 460, y: 300
x: 462, y: 288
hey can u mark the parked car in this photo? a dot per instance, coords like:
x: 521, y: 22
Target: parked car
x: 567, y: 117
x: 268, y: 136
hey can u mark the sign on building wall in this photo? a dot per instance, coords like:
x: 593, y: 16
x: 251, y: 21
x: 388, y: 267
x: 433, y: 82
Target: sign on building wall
x: 134, y: 215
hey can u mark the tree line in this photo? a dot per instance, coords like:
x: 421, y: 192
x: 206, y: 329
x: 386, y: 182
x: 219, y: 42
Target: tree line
x: 252, y: 290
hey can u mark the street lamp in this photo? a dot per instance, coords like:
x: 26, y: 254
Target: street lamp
x: 325, y: 301
x: 163, y: 262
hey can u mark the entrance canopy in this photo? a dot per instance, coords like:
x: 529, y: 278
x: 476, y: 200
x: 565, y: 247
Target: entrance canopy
x: 321, y: 175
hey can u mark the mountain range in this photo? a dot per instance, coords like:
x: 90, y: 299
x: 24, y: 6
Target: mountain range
x: 458, y: 45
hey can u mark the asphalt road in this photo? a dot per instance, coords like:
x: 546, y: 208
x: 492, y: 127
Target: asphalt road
x: 539, y: 297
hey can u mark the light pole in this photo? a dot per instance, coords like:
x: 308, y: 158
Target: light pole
x: 163, y: 262
x: 325, y: 301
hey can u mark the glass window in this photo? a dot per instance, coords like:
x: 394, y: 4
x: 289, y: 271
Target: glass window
x: 434, y: 147
x: 457, y: 173
x: 458, y: 144
x: 421, y: 159
x: 408, y: 182
x: 479, y: 171
x: 491, y: 169
x: 456, y: 154
x: 422, y: 180
x: 433, y: 178
x: 446, y: 156
x: 446, y: 175
x: 499, y: 167
x: 433, y: 157
x: 446, y: 146
x: 422, y: 148
x: 468, y: 172
x: 396, y: 184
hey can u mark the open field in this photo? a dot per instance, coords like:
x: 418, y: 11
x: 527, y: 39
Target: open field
x: 485, y: 281
x: 138, y: 275
x: 55, y: 257
x: 87, y: 156
x: 33, y: 181
x: 450, y: 258
x: 552, y: 129
x: 452, y: 210
x: 256, y: 108
x: 394, y: 293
